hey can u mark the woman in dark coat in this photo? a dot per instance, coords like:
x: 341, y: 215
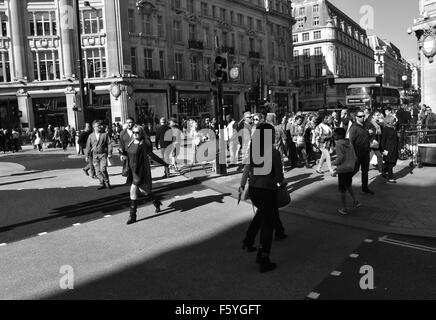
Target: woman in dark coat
x: 389, y: 148
x: 139, y: 152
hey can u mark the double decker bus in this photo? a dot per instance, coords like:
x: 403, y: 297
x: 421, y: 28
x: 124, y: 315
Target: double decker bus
x: 371, y: 95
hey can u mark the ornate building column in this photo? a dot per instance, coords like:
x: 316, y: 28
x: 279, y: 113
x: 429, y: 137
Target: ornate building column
x: 76, y: 119
x: 67, y: 29
x: 27, y: 119
x: 17, y: 34
x: 122, y: 106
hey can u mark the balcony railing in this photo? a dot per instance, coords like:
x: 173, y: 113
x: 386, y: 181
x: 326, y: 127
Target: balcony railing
x: 254, y: 54
x: 151, y: 74
x: 229, y: 50
x: 194, y: 44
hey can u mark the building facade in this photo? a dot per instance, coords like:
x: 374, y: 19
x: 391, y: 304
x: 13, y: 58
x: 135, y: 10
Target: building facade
x: 424, y: 28
x: 327, y: 45
x: 141, y: 58
x: 389, y: 63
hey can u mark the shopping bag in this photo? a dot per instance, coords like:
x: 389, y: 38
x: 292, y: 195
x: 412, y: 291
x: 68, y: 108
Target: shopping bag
x: 374, y: 160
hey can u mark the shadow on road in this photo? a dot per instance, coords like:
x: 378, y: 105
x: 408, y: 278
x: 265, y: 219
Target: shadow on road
x: 23, y: 181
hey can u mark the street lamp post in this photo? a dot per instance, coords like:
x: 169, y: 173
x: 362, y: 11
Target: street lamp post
x: 324, y: 74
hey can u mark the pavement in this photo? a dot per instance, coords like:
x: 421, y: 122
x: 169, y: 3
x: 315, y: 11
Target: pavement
x: 191, y: 249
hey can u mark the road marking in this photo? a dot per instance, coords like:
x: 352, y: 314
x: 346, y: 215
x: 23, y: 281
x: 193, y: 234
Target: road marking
x: 368, y: 241
x: 354, y: 255
x: 3, y: 244
x: 313, y: 295
x: 42, y: 234
x: 415, y: 246
x: 76, y: 224
x: 108, y: 216
x: 336, y: 273
x: 177, y: 197
x: 63, y: 187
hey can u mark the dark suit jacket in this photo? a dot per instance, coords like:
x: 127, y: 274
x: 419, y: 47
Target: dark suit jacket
x: 125, y: 139
x: 160, y: 136
x: 101, y: 146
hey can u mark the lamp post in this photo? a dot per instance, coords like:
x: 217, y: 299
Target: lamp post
x: 324, y: 74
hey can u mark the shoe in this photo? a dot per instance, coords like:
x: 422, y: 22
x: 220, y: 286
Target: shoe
x: 157, y: 205
x: 368, y: 191
x: 265, y: 264
x: 84, y: 170
x: 357, y: 204
x: 94, y: 177
x: 281, y: 236
x: 392, y: 181
x: 318, y: 171
x: 334, y: 174
x: 248, y: 247
x: 343, y: 211
x: 101, y: 187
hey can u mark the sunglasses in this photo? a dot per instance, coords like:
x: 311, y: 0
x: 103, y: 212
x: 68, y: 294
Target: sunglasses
x: 135, y: 132
x: 360, y: 116
x: 256, y: 119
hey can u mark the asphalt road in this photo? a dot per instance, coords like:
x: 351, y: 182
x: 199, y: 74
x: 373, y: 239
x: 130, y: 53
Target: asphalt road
x: 403, y: 267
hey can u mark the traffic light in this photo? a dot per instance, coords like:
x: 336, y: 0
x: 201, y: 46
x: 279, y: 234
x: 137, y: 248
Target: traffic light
x: 221, y: 68
x: 173, y: 95
x: 90, y: 89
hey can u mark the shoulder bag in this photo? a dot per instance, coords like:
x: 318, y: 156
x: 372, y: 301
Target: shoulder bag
x: 283, y: 197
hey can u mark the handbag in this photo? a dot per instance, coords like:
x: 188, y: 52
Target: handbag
x: 374, y: 144
x: 283, y: 197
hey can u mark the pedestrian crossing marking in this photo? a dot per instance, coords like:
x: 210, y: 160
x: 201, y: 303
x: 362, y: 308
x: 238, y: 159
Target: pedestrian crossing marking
x: 3, y: 244
x: 368, y: 241
x: 76, y: 224
x: 336, y: 273
x: 313, y: 295
x: 354, y: 255
x: 108, y: 216
x: 42, y: 234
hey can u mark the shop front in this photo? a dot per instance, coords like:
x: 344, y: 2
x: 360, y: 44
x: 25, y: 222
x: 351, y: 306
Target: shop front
x: 100, y: 109
x: 150, y: 107
x: 282, y: 104
x: 50, y: 111
x: 8, y: 120
x: 195, y: 106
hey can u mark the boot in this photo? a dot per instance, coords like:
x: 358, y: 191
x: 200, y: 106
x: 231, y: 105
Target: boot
x: 157, y: 205
x: 265, y: 264
x: 133, y: 207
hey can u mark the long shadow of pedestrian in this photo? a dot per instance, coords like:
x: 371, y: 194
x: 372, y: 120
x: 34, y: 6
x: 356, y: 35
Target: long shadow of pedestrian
x: 298, y: 177
x: 23, y: 181
x: 304, y: 183
x: 189, y: 204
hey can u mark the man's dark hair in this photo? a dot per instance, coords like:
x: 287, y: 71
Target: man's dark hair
x: 96, y: 122
x: 131, y: 118
x: 388, y: 109
x: 340, y: 133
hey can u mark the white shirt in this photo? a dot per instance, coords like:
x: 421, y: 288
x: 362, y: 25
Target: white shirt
x: 98, y: 136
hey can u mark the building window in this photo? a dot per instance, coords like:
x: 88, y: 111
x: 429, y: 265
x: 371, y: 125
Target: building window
x: 133, y: 60
x: 224, y: 39
x: 5, y: 72
x: 92, y: 21
x: 306, y: 53
x: 306, y: 36
x: 240, y: 19
x: 46, y: 65
x: 190, y: 6
x: 296, y: 53
x: 233, y: 41
x: 207, y: 68
x: 297, y: 71
x: 42, y: 24
x: 146, y: 21
x: 204, y: 9
x: 214, y: 14
x: 194, y: 68
x: 160, y: 27
x: 317, y: 35
x: 300, y: 23
x: 4, y: 25
x: 307, y: 71
x: 132, y: 24
x: 192, y: 32
x: 318, y: 51
x: 232, y: 17
x: 250, y: 23
x: 177, y: 4
x: 223, y: 14
x: 95, y: 63
x: 315, y: 8
x: 162, y: 64
x: 318, y: 69
x: 206, y: 38
x: 177, y: 30
x: 319, y: 88
x: 295, y: 38
x: 179, y: 66
x: 259, y: 26
x: 251, y: 44
x: 315, y: 21
x: 241, y: 44
x: 302, y: 11
x: 261, y: 47
x: 148, y: 60
x: 308, y: 89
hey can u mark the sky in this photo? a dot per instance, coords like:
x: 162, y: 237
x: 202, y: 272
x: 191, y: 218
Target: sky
x: 391, y: 20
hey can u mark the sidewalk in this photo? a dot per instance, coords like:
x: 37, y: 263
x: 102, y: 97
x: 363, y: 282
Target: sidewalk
x: 407, y: 207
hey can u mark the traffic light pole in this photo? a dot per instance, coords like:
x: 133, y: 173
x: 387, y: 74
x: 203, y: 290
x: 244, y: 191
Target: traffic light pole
x: 221, y: 159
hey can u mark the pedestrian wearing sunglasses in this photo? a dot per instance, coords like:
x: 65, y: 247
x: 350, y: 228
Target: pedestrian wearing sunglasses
x: 139, y: 152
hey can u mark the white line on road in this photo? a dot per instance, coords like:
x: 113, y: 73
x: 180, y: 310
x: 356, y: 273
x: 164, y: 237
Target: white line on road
x: 3, y: 244
x: 354, y: 255
x: 108, y: 216
x: 76, y: 224
x: 42, y: 234
x: 313, y: 295
x: 336, y: 273
x: 368, y: 241
x: 415, y: 246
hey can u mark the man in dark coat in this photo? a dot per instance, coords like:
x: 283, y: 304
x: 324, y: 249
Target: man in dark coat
x: 360, y: 139
x: 83, y: 138
x: 162, y: 143
x: 389, y: 148
x: 65, y: 138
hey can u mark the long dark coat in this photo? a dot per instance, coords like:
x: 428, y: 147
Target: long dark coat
x: 390, y: 142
